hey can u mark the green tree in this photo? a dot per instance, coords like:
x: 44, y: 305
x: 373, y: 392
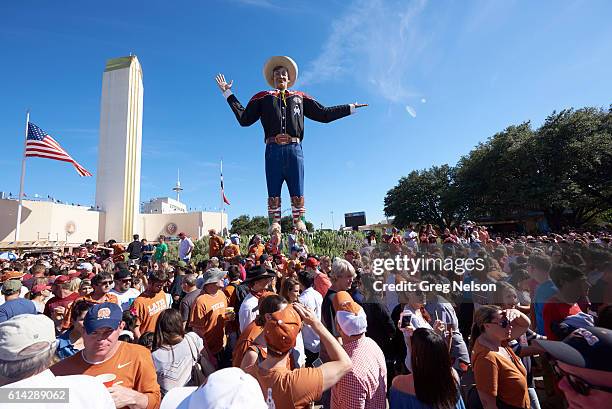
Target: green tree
x: 429, y: 196
x: 573, y: 150
x: 247, y: 226
x: 494, y: 178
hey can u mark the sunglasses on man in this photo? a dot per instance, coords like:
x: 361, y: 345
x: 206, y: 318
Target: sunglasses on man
x: 578, y: 384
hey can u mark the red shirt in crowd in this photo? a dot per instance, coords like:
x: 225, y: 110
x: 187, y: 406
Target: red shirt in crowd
x: 554, y: 312
x: 55, y: 302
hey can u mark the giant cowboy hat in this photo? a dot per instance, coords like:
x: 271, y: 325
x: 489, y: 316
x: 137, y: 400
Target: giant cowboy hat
x: 280, y: 61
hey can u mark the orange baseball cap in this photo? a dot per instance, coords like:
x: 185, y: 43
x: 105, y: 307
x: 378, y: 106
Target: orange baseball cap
x: 349, y: 315
x: 282, y: 330
x: 344, y: 302
x: 11, y: 275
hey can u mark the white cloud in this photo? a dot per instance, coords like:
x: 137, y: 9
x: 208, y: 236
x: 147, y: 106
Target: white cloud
x: 411, y: 111
x: 377, y: 42
x: 423, y: 100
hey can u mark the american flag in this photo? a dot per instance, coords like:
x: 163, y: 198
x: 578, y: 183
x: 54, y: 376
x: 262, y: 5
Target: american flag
x: 222, y: 191
x: 42, y: 145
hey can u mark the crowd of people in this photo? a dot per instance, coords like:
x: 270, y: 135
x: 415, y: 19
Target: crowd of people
x: 125, y: 326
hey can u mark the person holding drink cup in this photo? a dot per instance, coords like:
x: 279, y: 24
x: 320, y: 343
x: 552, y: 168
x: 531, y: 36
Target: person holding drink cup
x: 135, y: 383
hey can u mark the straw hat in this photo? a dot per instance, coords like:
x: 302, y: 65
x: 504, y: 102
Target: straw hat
x: 282, y: 61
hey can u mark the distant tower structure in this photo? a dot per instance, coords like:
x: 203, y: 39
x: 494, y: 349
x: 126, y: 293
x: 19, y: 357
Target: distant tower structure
x: 178, y: 189
x: 119, y: 149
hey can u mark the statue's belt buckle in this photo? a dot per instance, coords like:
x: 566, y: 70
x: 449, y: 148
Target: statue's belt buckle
x: 282, y: 139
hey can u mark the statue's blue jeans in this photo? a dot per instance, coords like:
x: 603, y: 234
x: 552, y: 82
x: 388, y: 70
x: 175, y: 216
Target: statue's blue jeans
x: 285, y: 163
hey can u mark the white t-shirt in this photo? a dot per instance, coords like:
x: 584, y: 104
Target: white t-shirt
x: 84, y: 391
x: 411, y: 238
x: 391, y: 299
x: 173, y: 364
x: 126, y: 298
x: 248, y: 311
x: 184, y: 246
x: 313, y: 300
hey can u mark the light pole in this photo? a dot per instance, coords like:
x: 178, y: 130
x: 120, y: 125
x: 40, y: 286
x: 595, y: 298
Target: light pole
x: 333, y: 225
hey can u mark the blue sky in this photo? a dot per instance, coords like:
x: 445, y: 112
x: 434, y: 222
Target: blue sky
x: 439, y: 78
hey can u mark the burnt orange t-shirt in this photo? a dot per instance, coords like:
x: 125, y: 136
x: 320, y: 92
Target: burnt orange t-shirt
x: 108, y: 297
x: 148, y: 307
x: 245, y: 340
x: 500, y: 377
x: 231, y: 251
x: 131, y: 363
x: 290, y: 389
x: 258, y: 250
x: 232, y: 297
x: 215, y: 244
x: 207, y: 319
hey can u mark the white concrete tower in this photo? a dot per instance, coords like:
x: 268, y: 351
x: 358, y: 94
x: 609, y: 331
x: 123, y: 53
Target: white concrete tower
x: 119, y: 149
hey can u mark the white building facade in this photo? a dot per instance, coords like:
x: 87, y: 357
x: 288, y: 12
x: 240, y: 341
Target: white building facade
x: 163, y: 205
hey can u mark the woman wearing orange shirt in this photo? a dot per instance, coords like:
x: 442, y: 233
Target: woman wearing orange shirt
x: 501, y: 378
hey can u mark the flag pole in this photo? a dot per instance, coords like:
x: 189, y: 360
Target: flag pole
x: 23, y: 167
x: 222, y: 201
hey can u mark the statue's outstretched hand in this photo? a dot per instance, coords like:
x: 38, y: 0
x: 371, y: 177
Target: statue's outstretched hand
x: 360, y: 105
x: 223, y: 85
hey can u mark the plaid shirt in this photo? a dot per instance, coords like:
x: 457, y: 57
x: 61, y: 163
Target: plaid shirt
x: 365, y: 386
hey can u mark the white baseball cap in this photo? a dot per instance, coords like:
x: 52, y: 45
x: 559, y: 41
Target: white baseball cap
x: 25, y: 336
x: 227, y: 388
x: 85, y: 266
x: 350, y: 316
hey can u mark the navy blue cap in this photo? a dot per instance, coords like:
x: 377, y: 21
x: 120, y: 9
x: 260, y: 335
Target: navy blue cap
x: 122, y: 274
x: 589, y: 348
x: 105, y: 315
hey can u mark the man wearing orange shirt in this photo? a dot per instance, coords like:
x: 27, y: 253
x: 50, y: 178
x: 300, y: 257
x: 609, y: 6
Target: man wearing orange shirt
x: 150, y: 303
x: 135, y: 384
x: 215, y: 244
x: 208, y: 314
x: 102, y: 283
x: 231, y: 250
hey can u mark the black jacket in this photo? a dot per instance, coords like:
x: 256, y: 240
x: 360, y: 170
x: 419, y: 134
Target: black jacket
x: 284, y: 116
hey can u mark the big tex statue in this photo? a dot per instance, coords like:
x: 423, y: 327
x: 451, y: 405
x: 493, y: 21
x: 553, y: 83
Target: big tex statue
x: 282, y: 116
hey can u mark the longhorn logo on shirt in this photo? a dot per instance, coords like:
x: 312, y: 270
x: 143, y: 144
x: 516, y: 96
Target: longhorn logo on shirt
x: 296, y: 110
x: 104, y: 313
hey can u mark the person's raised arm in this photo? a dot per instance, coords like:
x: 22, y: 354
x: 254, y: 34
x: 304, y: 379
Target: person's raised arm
x: 340, y: 363
x: 519, y: 321
x: 317, y: 112
x: 245, y: 116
